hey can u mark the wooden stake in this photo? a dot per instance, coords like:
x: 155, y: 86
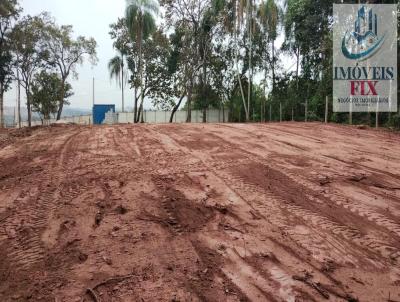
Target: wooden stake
x: 326, y: 110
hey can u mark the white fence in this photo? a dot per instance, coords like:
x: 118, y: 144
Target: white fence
x: 151, y: 116
x: 79, y: 120
x: 159, y: 117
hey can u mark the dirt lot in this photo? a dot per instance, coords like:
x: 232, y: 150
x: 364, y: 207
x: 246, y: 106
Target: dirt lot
x: 277, y: 212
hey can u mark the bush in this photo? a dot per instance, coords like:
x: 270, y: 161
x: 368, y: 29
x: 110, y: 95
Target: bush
x: 395, y: 121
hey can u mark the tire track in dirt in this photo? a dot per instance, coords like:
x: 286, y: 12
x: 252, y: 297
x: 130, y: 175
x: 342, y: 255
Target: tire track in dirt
x: 384, y: 248
x: 30, y: 218
x: 201, y: 213
x: 216, y: 168
x: 351, y: 234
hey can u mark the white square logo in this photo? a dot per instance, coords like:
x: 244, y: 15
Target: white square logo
x: 365, y: 58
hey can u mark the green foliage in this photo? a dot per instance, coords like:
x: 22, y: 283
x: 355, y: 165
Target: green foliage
x: 205, y: 58
x: 140, y: 18
x: 64, y: 53
x: 115, y: 66
x: 140, y: 23
x: 9, y: 12
x: 45, y: 90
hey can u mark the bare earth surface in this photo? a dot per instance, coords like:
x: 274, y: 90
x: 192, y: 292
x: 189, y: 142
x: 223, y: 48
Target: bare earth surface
x: 276, y: 212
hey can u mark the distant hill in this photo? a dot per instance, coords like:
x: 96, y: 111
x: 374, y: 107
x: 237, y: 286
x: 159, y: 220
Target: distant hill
x: 9, y: 114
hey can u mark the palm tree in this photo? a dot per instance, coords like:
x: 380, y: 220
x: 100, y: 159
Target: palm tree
x: 116, y: 69
x: 140, y: 23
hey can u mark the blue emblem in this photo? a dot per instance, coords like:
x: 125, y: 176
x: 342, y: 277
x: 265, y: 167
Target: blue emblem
x: 364, y: 41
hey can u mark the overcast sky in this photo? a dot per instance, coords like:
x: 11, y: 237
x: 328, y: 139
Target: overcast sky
x: 90, y: 18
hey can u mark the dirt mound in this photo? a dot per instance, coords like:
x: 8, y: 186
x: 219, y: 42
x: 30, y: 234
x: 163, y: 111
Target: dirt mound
x: 269, y: 212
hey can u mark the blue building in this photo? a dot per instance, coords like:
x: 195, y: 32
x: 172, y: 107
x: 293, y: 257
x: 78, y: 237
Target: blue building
x: 99, y: 112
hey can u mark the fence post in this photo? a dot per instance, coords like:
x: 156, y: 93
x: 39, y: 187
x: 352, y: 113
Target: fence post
x: 306, y: 112
x: 280, y: 112
x: 270, y: 112
x: 326, y: 109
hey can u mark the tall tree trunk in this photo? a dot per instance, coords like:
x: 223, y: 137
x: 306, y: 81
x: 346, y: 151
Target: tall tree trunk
x: 273, y: 64
x: 264, y: 110
x: 270, y: 112
x: 140, y: 112
x: 273, y: 69
x: 297, y: 79
x: 135, y: 109
x: 61, y: 99
x: 189, y: 103
x: 28, y: 105
x: 2, y: 124
x: 19, y: 102
x: 142, y: 109
x: 122, y: 82
x: 141, y: 67
x: 19, y: 99
x: 236, y: 29
x: 205, y: 88
x: 137, y: 98
x: 250, y: 18
x: 176, y: 107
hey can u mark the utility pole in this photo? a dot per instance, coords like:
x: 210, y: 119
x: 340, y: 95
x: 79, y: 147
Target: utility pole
x: 93, y: 93
x: 122, y: 83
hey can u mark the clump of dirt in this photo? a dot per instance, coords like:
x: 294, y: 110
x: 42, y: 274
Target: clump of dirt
x: 183, y: 213
x: 209, y: 268
x: 7, y: 137
x: 180, y: 214
x: 66, y: 255
x: 121, y: 210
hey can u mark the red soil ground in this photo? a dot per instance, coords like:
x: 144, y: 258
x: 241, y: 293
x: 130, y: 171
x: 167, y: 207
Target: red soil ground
x: 276, y: 212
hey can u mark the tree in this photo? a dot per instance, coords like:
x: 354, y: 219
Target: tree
x: 45, y: 90
x: 187, y: 19
x: 268, y: 14
x: 26, y: 42
x: 9, y: 12
x: 116, y: 68
x: 158, y: 79
x: 158, y: 75
x: 65, y: 53
x: 140, y: 23
x: 235, y: 10
x: 127, y: 57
